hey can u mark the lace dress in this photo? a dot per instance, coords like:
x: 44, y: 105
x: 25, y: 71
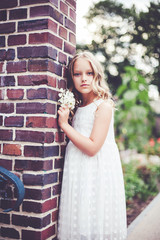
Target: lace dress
x: 92, y: 205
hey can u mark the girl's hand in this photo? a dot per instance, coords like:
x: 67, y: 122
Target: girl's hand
x: 63, y: 116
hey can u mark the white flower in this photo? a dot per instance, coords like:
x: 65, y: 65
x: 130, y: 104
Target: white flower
x: 66, y: 98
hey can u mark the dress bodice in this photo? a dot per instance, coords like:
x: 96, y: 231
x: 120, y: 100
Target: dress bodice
x: 83, y: 120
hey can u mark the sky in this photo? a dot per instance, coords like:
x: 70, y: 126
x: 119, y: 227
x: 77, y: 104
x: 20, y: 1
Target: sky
x: 83, y: 35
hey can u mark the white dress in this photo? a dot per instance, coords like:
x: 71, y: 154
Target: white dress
x: 92, y: 205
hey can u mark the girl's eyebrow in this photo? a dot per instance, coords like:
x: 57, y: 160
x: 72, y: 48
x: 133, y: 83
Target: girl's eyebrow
x: 88, y: 70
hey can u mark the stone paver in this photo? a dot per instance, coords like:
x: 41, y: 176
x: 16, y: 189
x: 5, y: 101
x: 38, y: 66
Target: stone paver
x: 147, y: 225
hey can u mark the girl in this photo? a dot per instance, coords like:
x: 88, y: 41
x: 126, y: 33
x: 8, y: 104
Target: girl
x: 92, y: 203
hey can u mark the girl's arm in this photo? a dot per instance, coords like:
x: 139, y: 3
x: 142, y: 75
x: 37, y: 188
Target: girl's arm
x: 91, y: 145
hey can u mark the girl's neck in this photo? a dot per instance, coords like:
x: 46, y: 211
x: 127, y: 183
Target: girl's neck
x: 88, y: 99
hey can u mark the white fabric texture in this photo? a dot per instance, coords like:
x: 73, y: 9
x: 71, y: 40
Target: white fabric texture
x: 92, y: 205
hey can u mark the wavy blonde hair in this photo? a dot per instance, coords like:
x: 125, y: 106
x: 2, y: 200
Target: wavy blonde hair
x: 100, y: 87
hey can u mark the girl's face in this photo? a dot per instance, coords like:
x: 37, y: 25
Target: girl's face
x: 83, y: 75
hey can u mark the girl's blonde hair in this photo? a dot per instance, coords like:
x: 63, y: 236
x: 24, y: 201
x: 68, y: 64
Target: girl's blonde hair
x: 100, y: 87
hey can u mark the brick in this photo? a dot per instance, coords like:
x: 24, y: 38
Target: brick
x: 60, y: 176
x: 7, y: 81
x: 46, y: 11
x: 55, y: 68
x: 15, y: 94
x: 8, y: 4
x: 52, y: 26
x: 1, y: 67
x: 58, y: 163
x: 62, y: 58
x: 30, y: 136
x: 16, y: 40
x: 45, y: 234
x: 38, y: 65
x: 70, y: 25
x: 12, y: 149
x: 33, y: 222
x: 45, y: 65
x: 52, y: 81
x: 52, y: 94
x: 40, y: 93
x: 15, y: 67
x: 54, y: 2
x: 14, y: 121
x: 63, y: 32
x: 56, y: 189
x: 36, y: 52
x: 33, y: 165
x: 29, y: 2
x: 38, y: 38
x: 72, y: 3
x: 36, y: 207
x: 36, y: 122
x: 37, y: 194
x: 3, y: 15
x: 64, y: 8
x: 33, y: 180
x: 1, y: 120
x: 30, y: 234
x: 2, y: 94
x: 72, y: 15
x: 9, y: 233
x: 6, y: 163
x: 41, y: 151
x: 72, y: 38
x: 7, y: 54
x: 26, y: 26
x: 63, y: 148
x: 18, y: 13
x: 6, y: 107
x: 55, y: 41
x: 41, y: 122
x: 49, y: 205
x: 7, y: 28
x: 4, y: 218
x: 6, y: 135
x: 33, y: 80
x: 55, y: 216
x: 49, y: 137
x: 35, y: 107
x: 62, y: 83
x: 2, y: 41
x: 48, y: 232
x: 59, y: 137
x: 39, y: 180
x: 68, y: 48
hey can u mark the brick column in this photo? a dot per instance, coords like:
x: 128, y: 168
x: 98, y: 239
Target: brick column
x: 37, y: 38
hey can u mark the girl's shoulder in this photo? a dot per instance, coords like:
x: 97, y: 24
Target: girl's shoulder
x: 106, y: 104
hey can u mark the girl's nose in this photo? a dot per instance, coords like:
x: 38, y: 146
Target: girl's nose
x: 84, y: 77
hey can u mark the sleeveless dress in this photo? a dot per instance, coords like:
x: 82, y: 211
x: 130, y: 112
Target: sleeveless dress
x: 92, y: 204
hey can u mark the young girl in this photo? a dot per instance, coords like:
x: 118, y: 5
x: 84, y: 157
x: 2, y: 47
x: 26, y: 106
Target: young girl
x: 92, y: 205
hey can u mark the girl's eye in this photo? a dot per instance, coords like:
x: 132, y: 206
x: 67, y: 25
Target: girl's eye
x: 90, y: 73
x: 76, y: 74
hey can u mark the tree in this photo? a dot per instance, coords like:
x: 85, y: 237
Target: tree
x: 121, y: 34
x: 134, y: 120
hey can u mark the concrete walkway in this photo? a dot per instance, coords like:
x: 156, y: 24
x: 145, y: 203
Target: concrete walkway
x: 147, y: 225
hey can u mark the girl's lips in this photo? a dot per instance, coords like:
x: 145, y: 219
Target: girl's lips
x: 84, y: 85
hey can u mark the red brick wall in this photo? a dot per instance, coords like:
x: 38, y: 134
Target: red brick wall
x: 37, y: 38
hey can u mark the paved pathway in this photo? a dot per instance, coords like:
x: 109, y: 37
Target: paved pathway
x: 147, y: 225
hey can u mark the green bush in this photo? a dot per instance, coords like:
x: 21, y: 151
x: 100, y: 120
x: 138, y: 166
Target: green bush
x: 134, y: 117
x: 140, y: 181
